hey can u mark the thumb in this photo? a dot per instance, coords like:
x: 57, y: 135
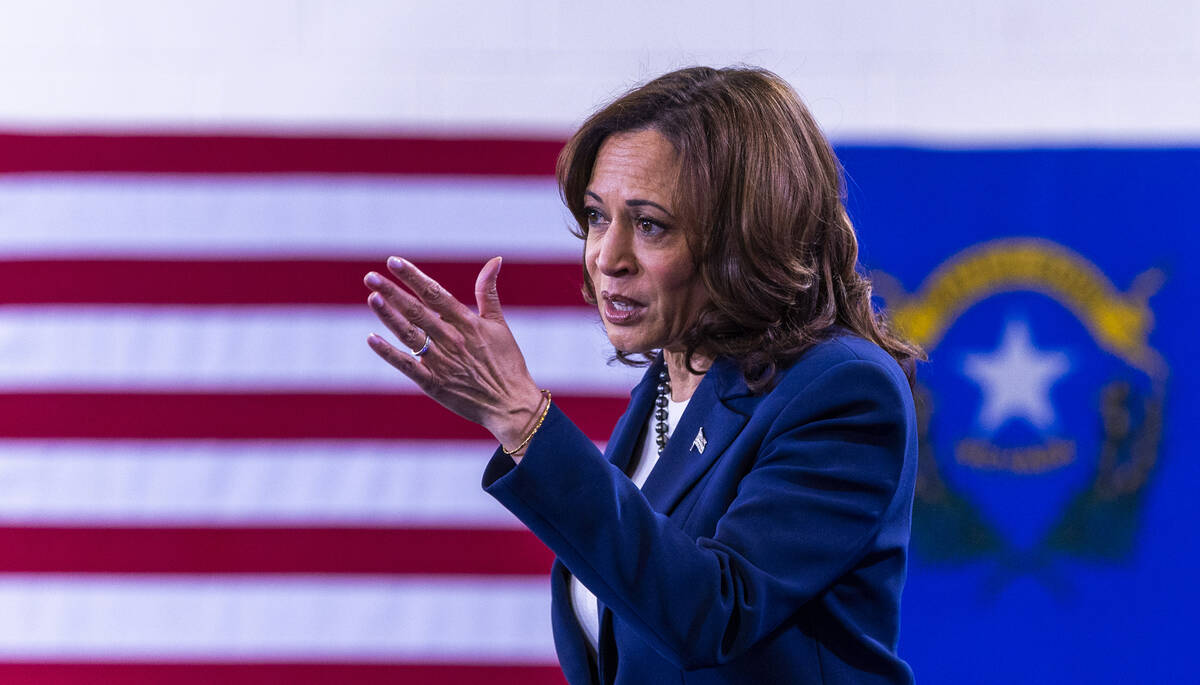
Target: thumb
x: 487, y: 297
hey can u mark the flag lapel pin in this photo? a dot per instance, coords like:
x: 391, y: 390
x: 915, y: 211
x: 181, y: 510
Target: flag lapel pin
x: 700, y: 442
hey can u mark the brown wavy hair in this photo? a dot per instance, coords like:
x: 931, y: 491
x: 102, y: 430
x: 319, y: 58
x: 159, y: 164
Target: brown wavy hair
x: 762, y: 204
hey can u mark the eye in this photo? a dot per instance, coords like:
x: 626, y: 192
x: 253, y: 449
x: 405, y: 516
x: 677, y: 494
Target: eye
x: 649, y: 226
x: 592, y: 216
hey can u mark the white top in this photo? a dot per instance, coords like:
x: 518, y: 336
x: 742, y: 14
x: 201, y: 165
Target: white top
x: 582, y: 599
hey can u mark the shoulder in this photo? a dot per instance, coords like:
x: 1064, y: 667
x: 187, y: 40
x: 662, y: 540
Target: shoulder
x: 844, y: 407
x: 839, y: 425
x: 843, y: 383
x: 844, y: 357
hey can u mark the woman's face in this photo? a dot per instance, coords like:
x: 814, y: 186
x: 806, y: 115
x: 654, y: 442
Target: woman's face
x: 647, y: 288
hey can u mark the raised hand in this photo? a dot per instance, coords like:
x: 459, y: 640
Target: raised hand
x: 471, y: 363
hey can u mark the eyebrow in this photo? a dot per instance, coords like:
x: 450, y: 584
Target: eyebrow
x: 636, y: 203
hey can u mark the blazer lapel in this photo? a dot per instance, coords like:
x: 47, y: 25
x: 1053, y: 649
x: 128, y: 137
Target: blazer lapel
x: 682, y: 464
x: 709, y: 425
x: 629, y: 427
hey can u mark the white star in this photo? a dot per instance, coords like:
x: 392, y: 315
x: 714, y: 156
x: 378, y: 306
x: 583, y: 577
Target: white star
x: 1016, y: 379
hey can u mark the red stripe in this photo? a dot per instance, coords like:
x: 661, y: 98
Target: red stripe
x: 205, y: 673
x: 273, y: 154
x: 263, y: 415
x: 37, y: 549
x: 264, y: 281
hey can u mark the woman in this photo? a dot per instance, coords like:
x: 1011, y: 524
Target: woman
x: 749, y: 520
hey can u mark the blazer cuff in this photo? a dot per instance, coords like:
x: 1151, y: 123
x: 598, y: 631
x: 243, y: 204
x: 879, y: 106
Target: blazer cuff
x: 543, y: 451
x: 536, y: 486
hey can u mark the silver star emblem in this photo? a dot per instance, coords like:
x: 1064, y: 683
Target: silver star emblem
x: 700, y: 442
x: 1016, y: 379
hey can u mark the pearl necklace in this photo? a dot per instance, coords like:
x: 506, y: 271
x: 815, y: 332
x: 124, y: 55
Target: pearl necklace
x: 660, y: 411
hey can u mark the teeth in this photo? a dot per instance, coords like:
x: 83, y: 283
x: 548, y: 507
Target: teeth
x: 621, y: 306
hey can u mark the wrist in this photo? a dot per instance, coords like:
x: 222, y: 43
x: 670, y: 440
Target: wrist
x: 515, y: 433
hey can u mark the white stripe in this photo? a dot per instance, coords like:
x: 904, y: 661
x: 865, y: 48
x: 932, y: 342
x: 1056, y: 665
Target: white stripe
x: 1107, y: 67
x: 229, y: 483
x: 306, y: 618
x: 87, y: 214
x: 194, y: 348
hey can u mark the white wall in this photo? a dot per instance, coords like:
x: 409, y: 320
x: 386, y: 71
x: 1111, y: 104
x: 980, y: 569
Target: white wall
x: 932, y: 70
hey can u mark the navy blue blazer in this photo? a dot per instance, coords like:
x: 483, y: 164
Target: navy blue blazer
x: 774, y: 555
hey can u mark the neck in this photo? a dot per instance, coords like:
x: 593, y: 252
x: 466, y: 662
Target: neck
x: 684, y: 382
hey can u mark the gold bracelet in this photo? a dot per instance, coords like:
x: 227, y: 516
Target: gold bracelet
x: 536, y: 426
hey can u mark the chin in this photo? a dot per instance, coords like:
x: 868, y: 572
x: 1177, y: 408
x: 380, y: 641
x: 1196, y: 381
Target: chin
x: 629, y: 344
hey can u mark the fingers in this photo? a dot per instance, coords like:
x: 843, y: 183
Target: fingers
x: 402, y: 313
x: 487, y: 297
x: 407, y: 332
x: 473, y: 365
x: 404, y: 361
x: 432, y: 294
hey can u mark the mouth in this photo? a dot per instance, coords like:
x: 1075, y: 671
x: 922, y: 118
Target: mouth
x: 621, y: 310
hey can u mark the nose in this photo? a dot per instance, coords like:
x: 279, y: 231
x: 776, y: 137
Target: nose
x: 615, y: 255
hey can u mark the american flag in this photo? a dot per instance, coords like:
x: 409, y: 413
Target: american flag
x: 205, y: 474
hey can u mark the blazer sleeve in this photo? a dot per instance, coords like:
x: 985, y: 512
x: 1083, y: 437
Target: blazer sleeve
x: 825, y: 480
